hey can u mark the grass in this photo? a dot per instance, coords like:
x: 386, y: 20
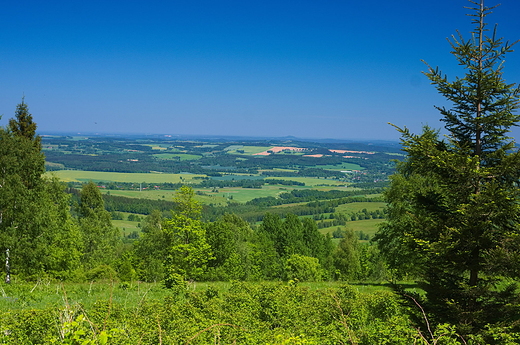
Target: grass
x: 359, y: 206
x: 126, y: 226
x: 102, y: 176
x: 44, y: 293
x: 243, y: 195
x: 367, y: 226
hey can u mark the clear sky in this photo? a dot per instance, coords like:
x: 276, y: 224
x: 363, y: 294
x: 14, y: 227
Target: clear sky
x: 336, y: 69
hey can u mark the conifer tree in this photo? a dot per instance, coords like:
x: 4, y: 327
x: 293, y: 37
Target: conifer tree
x: 35, y: 222
x: 454, y: 215
x: 23, y: 126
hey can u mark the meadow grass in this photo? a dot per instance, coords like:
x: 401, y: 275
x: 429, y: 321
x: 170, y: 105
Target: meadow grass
x: 126, y: 226
x: 359, y: 206
x: 367, y: 226
x: 44, y: 293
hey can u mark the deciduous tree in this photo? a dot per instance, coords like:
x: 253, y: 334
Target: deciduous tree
x: 100, y: 237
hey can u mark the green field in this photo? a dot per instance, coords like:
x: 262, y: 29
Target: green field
x: 368, y: 226
x: 243, y: 195
x: 97, y: 176
x: 126, y: 226
x: 211, y: 198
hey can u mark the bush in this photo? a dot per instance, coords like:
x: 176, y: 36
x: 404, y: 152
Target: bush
x: 101, y: 272
x: 303, y: 268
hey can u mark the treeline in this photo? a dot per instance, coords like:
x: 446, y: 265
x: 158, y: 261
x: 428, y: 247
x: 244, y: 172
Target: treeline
x: 306, y: 172
x: 340, y: 219
x: 135, y: 205
x: 245, y: 183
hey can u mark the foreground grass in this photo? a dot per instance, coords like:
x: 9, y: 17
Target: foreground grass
x: 44, y: 294
x: 202, y: 313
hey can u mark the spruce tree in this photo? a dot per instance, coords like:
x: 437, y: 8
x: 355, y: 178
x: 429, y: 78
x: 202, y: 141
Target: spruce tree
x: 23, y: 125
x: 35, y: 222
x: 453, y: 206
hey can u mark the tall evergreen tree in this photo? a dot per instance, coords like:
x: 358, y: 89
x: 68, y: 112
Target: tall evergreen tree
x: 454, y: 215
x: 35, y: 223
x: 23, y: 125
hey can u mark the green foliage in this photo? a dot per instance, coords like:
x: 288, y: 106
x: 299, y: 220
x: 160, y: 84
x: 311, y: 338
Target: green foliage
x: 23, y: 125
x: 347, y: 257
x: 79, y: 332
x: 100, y: 237
x: 188, y: 252
x: 240, y: 313
x: 101, y: 272
x: 230, y: 240
x: 35, y: 223
x: 151, y: 249
x: 303, y: 268
x: 186, y: 205
x: 453, y: 215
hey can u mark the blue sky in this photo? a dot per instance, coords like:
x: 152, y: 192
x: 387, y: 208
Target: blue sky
x: 310, y: 69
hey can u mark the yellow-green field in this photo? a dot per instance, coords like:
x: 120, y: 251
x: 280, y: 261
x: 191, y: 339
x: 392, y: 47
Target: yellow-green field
x: 85, y: 176
x: 311, y: 181
x: 126, y: 227
x: 243, y: 195
x: 221, y: 198
x: 211, y: 198
x: 368, y: 226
